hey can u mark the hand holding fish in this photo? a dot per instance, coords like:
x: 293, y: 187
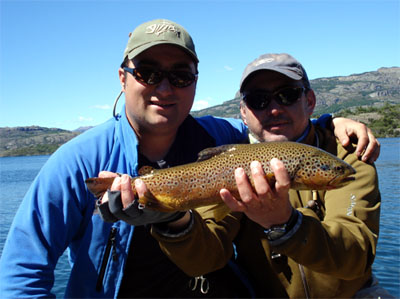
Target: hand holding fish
x: 119, y: 203
x: 267, y: 205
x: 120, y: 183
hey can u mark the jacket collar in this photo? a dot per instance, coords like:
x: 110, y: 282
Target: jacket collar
x: 309, y: 136
x: 126, y: 138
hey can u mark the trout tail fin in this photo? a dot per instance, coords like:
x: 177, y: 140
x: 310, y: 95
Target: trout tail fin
x: 98, y: 186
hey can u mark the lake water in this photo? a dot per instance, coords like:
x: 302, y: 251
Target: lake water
x: 17, y: 173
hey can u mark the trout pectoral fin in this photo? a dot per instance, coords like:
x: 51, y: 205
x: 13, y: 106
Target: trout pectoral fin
x: 149, y: 201
x: 221, y: 211
x: 216, y: 211
x: 98, y: 186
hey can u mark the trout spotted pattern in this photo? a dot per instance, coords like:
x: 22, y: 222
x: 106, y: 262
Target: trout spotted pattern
x: 198, y: 184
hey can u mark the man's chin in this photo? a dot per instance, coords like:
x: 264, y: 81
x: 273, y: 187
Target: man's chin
x: 274, y: 137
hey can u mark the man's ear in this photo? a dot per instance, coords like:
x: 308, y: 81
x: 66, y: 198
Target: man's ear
x: 311, y: 101
x: 243, y: 112
x: 122, y: 78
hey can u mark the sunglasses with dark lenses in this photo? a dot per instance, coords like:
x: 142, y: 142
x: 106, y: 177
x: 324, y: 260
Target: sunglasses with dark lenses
x: 150, y: 76
x: 259, y: 100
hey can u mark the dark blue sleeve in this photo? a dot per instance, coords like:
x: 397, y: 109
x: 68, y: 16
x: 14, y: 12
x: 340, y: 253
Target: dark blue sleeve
x: 324, y: 121
x: 224, y: 130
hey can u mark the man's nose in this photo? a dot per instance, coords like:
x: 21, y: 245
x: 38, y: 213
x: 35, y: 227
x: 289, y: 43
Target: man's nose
x: 274, y: 108
x: 164, y: 86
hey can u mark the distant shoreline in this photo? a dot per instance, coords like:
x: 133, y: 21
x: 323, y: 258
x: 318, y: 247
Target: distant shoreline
x: 49, y: 154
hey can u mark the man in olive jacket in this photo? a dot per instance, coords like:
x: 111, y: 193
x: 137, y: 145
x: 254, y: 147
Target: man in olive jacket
x: 297, y: 244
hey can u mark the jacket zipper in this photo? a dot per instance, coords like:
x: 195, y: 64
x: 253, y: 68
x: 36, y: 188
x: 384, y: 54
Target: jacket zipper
x: 110, y: 248
x: 304, y: 280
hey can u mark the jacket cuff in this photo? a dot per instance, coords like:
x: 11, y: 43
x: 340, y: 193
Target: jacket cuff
x: 289, y: 233
x: 165, y: 231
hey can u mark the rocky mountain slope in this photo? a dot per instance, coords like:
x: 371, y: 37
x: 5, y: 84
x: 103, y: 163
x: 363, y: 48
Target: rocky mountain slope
x: 33, y: 140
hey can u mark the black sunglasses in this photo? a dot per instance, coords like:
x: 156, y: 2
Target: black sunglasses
x: 259, y: 100
x: 150, y: 76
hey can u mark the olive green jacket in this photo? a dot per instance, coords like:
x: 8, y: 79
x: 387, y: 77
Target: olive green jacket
x: 329, y: 256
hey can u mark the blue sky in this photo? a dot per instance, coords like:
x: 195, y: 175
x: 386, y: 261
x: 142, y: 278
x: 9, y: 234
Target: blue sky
x: 59, y: 59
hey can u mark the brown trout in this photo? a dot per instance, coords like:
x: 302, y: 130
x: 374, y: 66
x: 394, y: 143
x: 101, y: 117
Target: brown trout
x: 198, y: 184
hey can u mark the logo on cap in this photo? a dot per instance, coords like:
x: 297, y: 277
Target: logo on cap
x: 262, y: 61
x: 162, y: 28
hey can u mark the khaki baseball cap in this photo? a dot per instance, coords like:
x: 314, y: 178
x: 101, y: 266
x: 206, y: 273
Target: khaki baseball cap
x: 282, y: 63
x: 159, y: 32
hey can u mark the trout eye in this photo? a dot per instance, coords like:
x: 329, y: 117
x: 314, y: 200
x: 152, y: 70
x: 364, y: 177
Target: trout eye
x: 339, y: 168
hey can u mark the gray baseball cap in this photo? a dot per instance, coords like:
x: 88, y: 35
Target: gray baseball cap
x: 282, y: 63
x: 159, y: 32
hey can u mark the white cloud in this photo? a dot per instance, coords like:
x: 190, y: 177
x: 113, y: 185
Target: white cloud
x: 85, y: 119
x: 201, y: 104
x: 228, y: 68
x: 102, y: 107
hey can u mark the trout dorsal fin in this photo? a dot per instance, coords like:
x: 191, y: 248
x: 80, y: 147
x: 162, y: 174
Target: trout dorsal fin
x: 145, y: 170
x: 210, y: 152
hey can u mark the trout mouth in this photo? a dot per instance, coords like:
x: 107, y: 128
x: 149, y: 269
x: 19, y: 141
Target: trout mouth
x: 339, y: 182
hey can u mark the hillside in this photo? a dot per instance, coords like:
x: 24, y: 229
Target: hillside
x: 33, y: 140
x: 384, y: 121
x: 372, y: 98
